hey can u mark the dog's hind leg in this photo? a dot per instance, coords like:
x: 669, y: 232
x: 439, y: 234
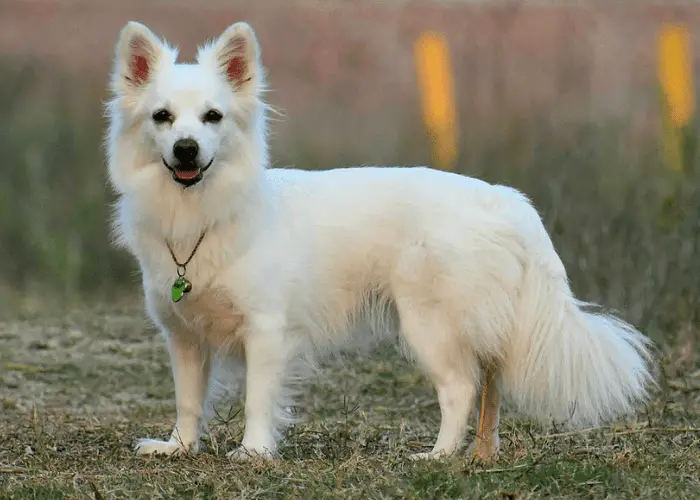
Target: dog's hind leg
x: 486, y: 445
x: 450, y: 364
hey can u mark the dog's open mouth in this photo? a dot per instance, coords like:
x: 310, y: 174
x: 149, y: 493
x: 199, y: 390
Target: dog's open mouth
x: 187, y: 174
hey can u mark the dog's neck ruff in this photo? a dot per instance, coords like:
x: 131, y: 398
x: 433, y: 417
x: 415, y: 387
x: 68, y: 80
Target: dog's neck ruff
x: 182, y: 285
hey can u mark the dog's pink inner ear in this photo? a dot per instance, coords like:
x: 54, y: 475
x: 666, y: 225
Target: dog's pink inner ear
x: 139, y: 65
x: 236, y: 65
x: 139, y: 68
x: 236, y: 69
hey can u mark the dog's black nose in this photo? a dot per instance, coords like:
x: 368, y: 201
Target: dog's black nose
x: 186, y: 150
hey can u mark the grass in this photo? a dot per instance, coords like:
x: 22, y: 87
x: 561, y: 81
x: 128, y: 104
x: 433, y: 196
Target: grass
x: 77, y: 390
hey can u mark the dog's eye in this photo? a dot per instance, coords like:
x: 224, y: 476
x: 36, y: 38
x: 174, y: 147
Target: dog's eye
x: 212, y: 116
x: 162, y: 116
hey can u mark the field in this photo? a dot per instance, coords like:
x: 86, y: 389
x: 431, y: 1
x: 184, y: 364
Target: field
x: 81, y: 379
x: 559, y: 102
x: 100, y: 379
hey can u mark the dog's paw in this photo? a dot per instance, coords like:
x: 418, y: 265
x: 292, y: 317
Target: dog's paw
x: 484, y: 450
x: 242, y: 454
x: 158, y: 447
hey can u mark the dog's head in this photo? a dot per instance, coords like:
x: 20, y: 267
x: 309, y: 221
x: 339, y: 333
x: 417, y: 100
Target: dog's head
x: 185, y: 122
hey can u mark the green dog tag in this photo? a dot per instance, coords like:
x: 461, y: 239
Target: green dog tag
x: 180, y: 287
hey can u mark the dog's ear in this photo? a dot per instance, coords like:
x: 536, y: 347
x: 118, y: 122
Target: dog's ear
x: 138, y: 52
x: 237, y: 55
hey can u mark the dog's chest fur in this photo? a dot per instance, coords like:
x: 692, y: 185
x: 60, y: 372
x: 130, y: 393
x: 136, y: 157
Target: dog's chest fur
x: 209, y: 310
x: 212, y: 314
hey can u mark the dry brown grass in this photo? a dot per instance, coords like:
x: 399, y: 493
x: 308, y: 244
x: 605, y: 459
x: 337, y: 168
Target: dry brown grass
x: 77, y: 390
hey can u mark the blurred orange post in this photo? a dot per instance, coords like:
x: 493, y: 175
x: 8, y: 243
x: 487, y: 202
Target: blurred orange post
x: 436, y: 85
x: 675, y: 77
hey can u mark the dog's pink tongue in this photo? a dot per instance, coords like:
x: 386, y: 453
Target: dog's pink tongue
x: 187, y: 174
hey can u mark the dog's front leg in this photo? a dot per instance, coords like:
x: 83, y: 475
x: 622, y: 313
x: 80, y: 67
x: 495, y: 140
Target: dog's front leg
x: 267, y: 354
x: 191, y: 367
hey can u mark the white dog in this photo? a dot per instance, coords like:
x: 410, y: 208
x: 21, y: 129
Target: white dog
x: 268, y: 266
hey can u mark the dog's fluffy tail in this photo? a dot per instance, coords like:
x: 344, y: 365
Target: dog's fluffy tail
x: 568, y: 363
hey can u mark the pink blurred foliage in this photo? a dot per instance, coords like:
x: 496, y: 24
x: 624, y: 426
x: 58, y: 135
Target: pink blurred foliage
x: 342, y: 71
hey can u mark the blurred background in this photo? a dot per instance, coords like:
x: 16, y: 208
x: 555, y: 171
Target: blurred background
x: 561, y: 99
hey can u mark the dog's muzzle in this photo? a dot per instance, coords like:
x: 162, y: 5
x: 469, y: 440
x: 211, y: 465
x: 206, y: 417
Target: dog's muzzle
x: 189, y: 173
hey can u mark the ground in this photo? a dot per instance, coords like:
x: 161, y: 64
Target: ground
x: 76, y: 391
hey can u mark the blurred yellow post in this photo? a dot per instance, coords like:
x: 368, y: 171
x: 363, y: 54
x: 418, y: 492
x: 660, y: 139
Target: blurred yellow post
x: 436, y: 84
x: 676, y: 81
